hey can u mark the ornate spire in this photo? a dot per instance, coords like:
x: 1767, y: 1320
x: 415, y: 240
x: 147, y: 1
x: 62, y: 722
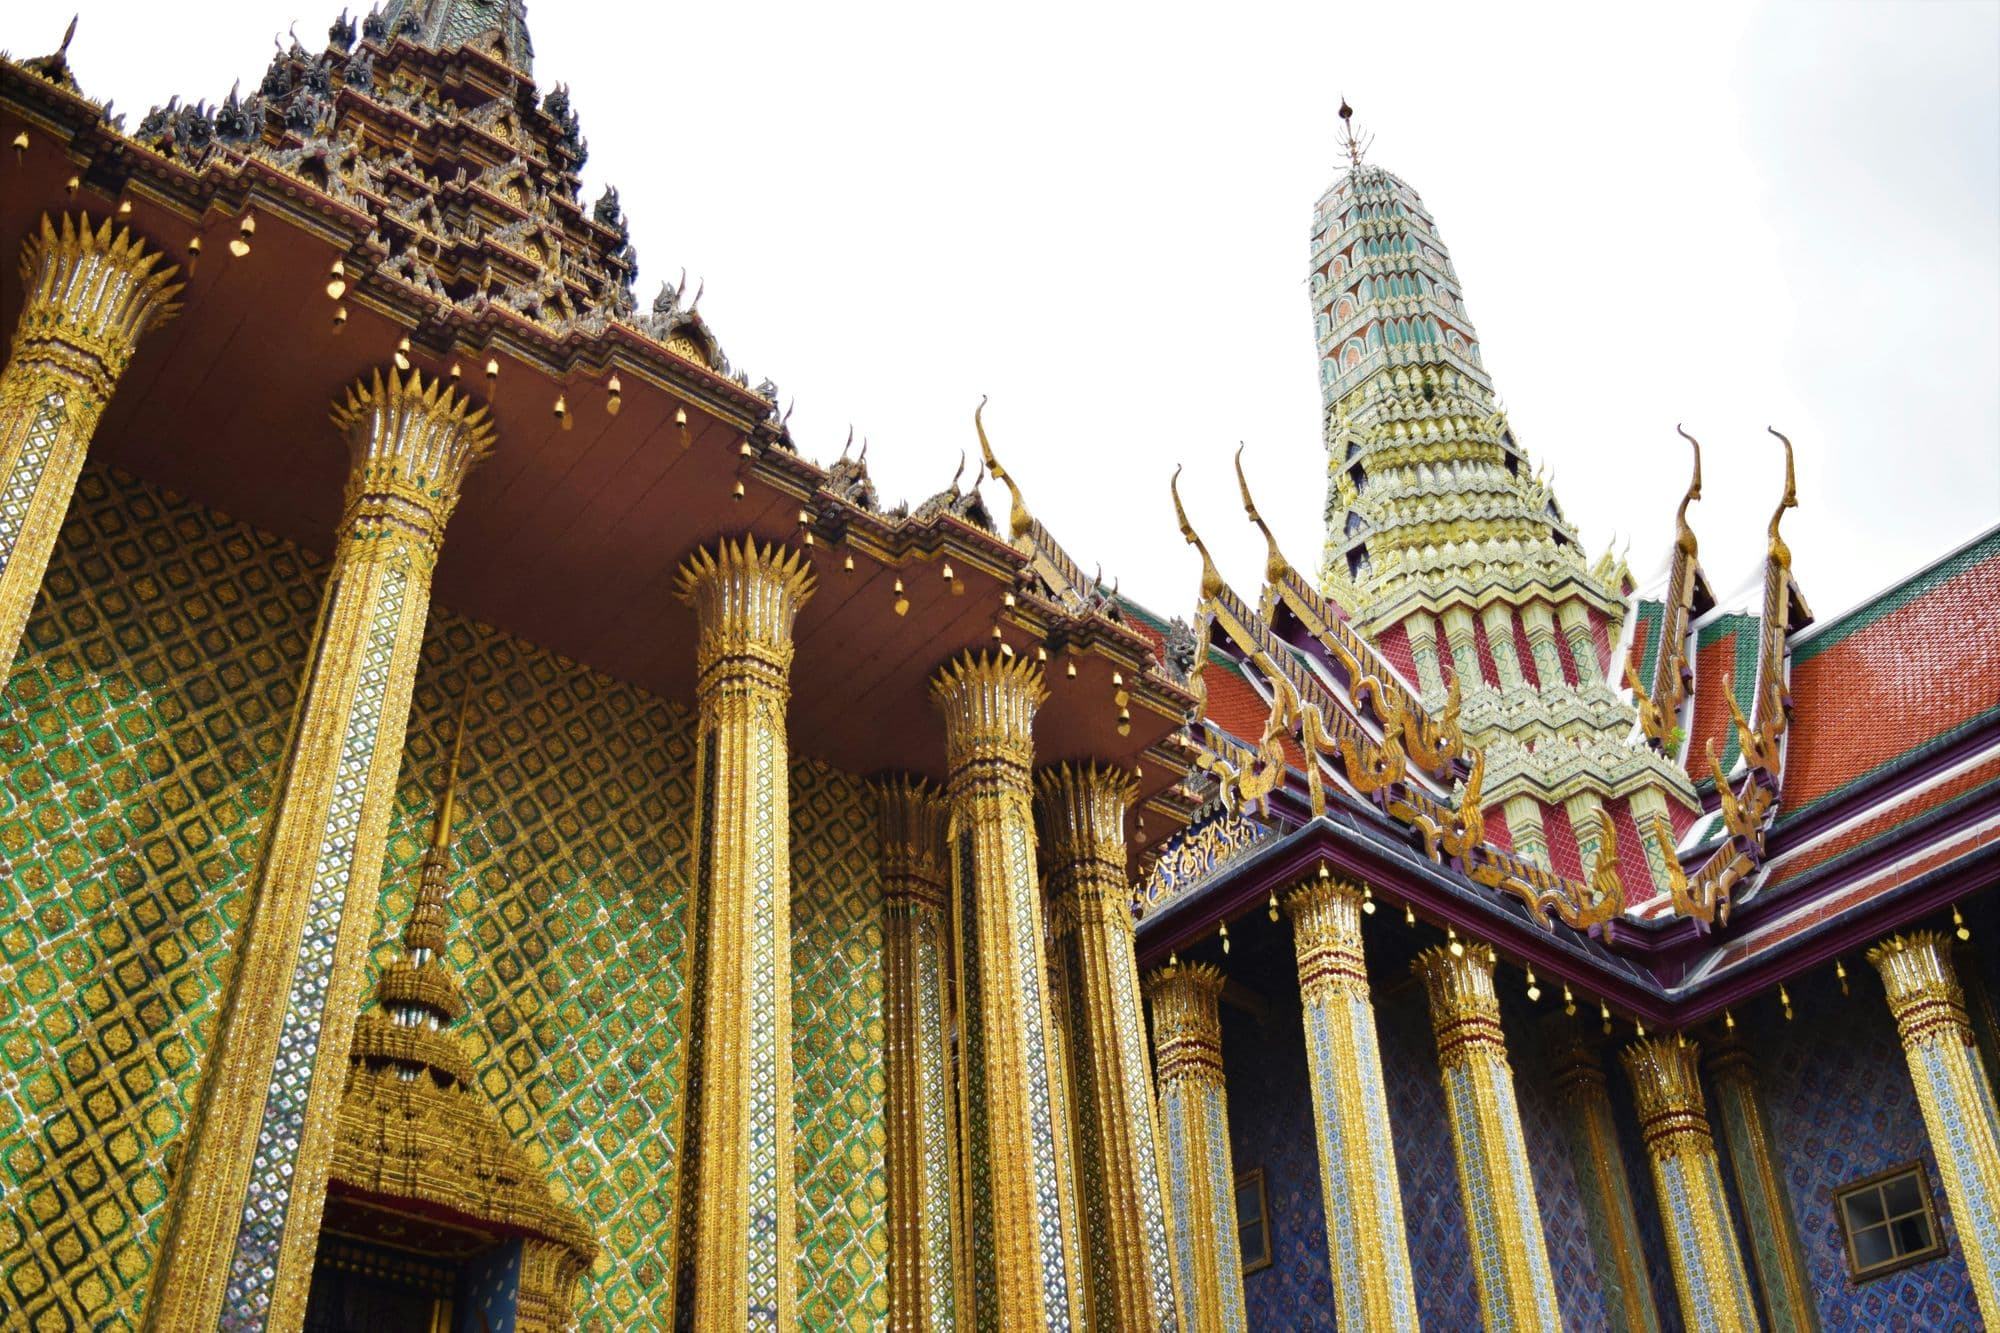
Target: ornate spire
x: 1357, y: 145
x: 496, y: 26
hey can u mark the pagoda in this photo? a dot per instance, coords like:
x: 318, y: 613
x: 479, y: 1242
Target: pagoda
x: 1452, y: 554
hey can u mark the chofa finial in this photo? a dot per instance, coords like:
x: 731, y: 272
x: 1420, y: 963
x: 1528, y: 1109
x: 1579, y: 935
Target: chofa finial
x: 1781, y: 553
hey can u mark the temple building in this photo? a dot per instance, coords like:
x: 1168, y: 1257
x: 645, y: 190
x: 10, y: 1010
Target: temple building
x: 498, y: 840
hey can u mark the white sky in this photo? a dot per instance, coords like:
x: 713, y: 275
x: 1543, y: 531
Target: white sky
x: 1099, y: 216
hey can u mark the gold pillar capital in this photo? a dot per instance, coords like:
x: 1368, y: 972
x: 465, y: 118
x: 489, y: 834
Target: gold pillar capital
x: 1326, y: 924
x: 916, y: 862
x: 1083, y: 812
x: 1465, y: 1011
x: 1924, y: 993
x: 989, y: 703
x: 1666, y: 1084
x: 746, y: 597
x: 1187, y: 1025
x: 92, y: 293
x: 1082, y: 819
x: 411, y: 441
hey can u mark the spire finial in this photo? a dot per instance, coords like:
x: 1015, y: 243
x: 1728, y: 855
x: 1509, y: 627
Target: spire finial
x: 1356, y: 144
x: 441, y: 831
x: 1781, y: 553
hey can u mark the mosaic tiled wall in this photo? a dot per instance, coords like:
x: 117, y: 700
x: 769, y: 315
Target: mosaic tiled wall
x: 1842, y: 1108
x: 1433, y: 1214
x: 837, y: 1037
x: 140, y: 740
x: 1271, y: 1126
x: 1270, y: 1110
x: 1564, y: 1231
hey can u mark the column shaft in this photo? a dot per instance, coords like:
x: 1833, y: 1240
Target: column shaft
x: 745, y: 1226
x: 1357, y: 1161
x: 1083, y: 838
x: 1516, y: 1288
x: 1194, y: 1118
x: 1019, y: 1193
x: 1954, y: 1091
x: 1701, y: 1242
x: 1599, y: 1166
x: 90, y: 297
x: 1767, y: 1208
x: 924, y: 1265
x: 245, y: 1224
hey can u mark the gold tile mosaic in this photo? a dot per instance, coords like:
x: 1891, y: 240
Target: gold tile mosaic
x: 140, y: 739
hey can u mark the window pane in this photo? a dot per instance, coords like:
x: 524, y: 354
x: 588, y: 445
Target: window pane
x: 1912, y: 1233
x: 1255, y: 1247
x: 1872, y: 1247
x: 1864, y: 1208
x: 1246, y: 1199
x: 1901, y: 1195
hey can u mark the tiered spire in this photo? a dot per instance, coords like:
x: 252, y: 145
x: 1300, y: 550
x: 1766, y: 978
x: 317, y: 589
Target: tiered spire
x: 496, y: 26
x: 1427, y: 492
x: 1454, y: 555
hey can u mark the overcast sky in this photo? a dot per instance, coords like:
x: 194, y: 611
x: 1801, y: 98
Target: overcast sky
x: 1099, y: 216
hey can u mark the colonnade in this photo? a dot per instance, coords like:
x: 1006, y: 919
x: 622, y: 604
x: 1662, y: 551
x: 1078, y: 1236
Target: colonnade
x: 1009, y: 1207
x: 1366, y: 1247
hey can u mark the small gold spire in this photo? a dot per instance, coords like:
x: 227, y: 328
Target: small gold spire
x: 1018, y: 520
x: 1781, y: 554
x: 1211, y: 578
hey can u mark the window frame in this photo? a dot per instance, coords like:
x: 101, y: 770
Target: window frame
x: 1256, y: 1173
x: 1937, y: 1248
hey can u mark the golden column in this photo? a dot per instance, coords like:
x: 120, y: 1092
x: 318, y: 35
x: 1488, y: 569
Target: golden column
x: 1760, y: 1186
x: 1357, y: 1161
x: 745, y: 1227
x: 240, y: 1239
x: 1194, y: 1113
x: 1516, y: 1288
x: 1954, y: 1092
x: 1609, y: 1216
x: 1083, y: 837
x: 89, y: 296
x: 1701, y: 1243
x: 925, y: 1268
x: 1018, y: 1189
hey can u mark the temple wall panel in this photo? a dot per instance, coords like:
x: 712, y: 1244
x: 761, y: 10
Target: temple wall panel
x: 142, y: 735
x: 1426, y: 1166
x: 840, y: 1085
x: 1841, y: 1105
x: 1579, y: 1294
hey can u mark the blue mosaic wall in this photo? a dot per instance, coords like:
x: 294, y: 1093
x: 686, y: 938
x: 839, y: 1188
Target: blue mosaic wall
x: 1571, y: 1261
x: 1842, y: 1107
x: 1440, y: 1252
x: 1270, y: 1125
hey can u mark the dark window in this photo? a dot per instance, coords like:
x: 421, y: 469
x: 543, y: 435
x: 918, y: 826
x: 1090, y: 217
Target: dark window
x: 1253, y: 1222
x: 1888, y: 1221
